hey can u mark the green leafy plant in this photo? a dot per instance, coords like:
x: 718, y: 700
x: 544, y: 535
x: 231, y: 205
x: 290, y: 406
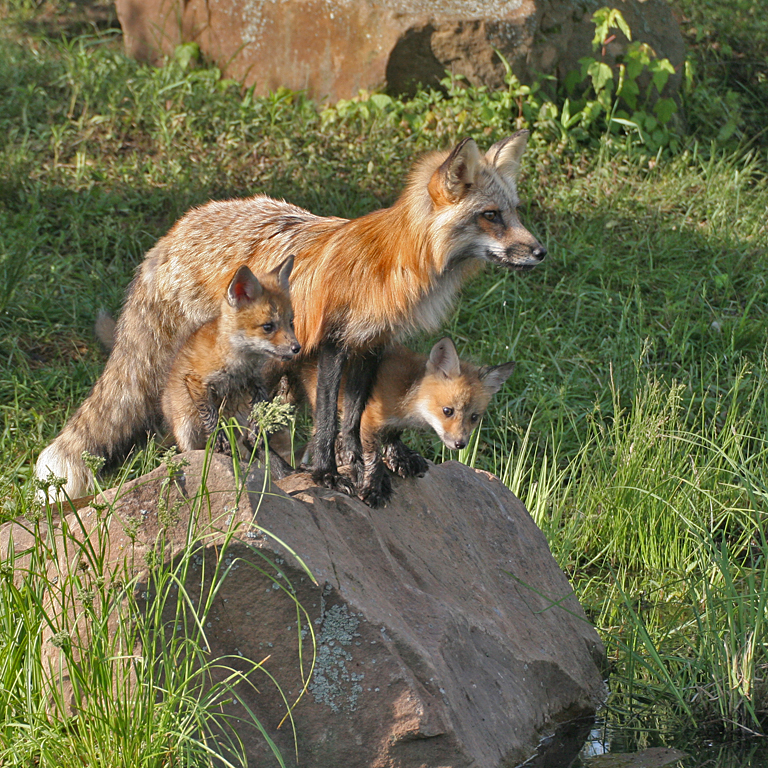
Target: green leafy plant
x: 627, y: 94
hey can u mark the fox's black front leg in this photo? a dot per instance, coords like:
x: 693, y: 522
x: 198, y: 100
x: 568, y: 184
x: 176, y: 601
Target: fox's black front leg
x: 374, y: 487
x: 361, y: 375
x: 331, y: 358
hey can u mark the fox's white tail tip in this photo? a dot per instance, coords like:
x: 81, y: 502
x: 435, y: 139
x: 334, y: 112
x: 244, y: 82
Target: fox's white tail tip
x: 51, y: 465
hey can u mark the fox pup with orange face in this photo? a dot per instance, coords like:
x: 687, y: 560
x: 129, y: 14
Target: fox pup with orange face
x: 219, y: 370
x: 410, y: 390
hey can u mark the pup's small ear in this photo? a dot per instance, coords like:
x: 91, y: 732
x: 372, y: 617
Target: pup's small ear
x: 505, y: 155
x: 283, y: 272
x: 244, y: 288
x: 453, y: 179
x: 444, y: 359
x: 495, y: 376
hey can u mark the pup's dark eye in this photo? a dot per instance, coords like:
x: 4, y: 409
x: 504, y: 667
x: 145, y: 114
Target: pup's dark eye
x: 448, y: 411
x: 268, y: 327
x: 474, y: 417
x: 490, y: 215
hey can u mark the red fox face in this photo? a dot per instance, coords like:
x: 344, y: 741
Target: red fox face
x: 477, y: 198
x: 257, y: 316
x: 453, y: 396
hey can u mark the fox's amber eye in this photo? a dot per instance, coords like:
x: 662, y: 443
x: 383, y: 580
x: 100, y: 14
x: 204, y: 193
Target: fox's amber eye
x: 448, y: 411
x: 474, y: 417
x: 490, y: 215
x: 268, y: 327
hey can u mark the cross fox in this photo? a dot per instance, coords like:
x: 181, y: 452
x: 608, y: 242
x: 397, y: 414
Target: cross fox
x: 219, y: 369
x: 356, y: 285
x: 417, y: 391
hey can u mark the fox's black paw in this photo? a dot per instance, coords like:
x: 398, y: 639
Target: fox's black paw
x: 348, y: 452
x: 404, y: 461
x: 377, y: 493
x: 334, y: 481
x: 222, y: 444
x: 355, y: 471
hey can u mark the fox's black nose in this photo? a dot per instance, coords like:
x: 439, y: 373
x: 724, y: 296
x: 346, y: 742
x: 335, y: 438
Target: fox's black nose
x: 460, y: 444
x: 295, y: 347
x: 539, y: 252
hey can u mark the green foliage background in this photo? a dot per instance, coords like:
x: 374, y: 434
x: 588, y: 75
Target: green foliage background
x: 634, y: 425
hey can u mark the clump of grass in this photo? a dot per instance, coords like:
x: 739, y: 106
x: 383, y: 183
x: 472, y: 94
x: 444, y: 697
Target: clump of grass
x: 730, y: 59
x: 134, y: 681
x: 658, y: 520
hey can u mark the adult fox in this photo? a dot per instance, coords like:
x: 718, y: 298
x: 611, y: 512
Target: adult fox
x: 355, y: 285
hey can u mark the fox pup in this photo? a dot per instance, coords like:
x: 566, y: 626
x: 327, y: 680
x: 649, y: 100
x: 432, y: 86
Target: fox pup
x: 357, y: 285
x: 411, y: 390
x: 219, y: 369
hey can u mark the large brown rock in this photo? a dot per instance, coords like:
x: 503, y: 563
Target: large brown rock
x: 333, y: 48
x: 446, y: 633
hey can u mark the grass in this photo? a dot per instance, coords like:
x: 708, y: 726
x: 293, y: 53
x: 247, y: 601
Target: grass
x: 634, y: 425
x: 105, y: 665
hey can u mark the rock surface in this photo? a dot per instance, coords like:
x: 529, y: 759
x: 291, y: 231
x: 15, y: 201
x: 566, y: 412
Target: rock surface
x: 446, y: 634
x: 333, y: 48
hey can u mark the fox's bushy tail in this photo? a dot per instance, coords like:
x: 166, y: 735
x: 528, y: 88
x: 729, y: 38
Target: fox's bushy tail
x: 125, y: 401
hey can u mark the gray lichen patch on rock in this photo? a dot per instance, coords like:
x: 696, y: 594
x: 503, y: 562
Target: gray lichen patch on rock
x: 333, y: 683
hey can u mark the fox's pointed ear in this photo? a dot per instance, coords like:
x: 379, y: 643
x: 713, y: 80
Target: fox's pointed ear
x: 244, y: 288
x: 451, y: 181
x: 283, y: 272
x: 505, y: 155
x: 444, y: 359
x: 494, y: 377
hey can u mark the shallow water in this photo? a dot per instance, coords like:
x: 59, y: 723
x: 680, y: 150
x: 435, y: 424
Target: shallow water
x: 592, y: 743
x: 605, y: 740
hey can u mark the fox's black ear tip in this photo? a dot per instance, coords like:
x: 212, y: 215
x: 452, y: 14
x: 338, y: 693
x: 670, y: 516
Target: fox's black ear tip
x: 467, y: 141
x: 243, y: 271
x: 445, y: 343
